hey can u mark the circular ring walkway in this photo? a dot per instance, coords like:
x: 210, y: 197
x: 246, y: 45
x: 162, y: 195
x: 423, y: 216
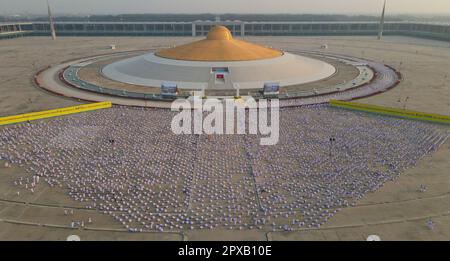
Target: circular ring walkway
x: 63, y: 79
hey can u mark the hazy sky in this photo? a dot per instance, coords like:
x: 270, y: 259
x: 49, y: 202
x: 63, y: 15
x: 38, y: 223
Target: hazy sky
x: 223, y: 6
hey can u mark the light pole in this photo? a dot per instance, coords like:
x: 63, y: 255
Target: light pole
x: 332, y: 139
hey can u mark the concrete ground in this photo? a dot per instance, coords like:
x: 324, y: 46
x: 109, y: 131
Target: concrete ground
x: 397, y: 212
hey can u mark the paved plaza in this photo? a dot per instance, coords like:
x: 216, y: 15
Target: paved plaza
x: 105, y: 173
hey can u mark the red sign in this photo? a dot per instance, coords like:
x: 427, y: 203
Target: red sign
x: 219, y: 76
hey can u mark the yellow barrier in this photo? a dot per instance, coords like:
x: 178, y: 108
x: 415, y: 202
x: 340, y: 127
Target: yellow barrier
x: 53, y: 113
x: 392, y: 111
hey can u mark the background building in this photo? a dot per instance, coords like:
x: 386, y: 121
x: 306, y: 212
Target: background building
x: 238, y: 28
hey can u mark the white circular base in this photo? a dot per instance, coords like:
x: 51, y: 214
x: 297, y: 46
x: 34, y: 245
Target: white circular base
x: 151, y: 70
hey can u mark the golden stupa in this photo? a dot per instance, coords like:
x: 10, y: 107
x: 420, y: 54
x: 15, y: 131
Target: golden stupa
x: 219, y: 45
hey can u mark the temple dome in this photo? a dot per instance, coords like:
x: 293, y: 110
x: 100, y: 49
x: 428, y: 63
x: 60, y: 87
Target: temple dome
x: 219, y: 45
x: 219, y: 33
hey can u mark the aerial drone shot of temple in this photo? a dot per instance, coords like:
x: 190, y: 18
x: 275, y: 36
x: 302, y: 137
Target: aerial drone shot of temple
x: 88, y: 149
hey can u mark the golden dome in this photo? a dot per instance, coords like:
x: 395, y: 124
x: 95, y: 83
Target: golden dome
x: 219, y: 45
x: 219, y: 33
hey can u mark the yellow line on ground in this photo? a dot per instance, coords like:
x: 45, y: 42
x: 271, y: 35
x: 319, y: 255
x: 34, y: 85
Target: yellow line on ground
x: 392, y: 111
x: 53, y: 113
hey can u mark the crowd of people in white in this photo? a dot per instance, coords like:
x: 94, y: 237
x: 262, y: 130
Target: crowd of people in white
x: 126, y: 162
